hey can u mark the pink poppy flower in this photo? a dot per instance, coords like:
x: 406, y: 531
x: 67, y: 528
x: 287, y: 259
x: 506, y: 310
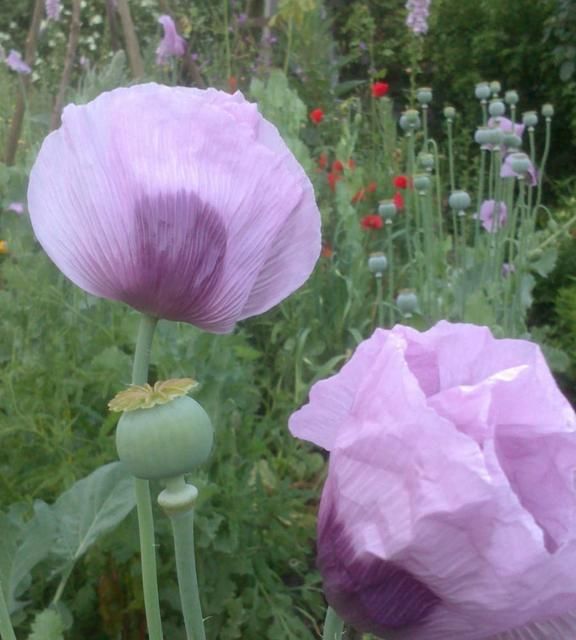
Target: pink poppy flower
x: 172, y: 44
x: 449, y: 511
x: 185, y: 204
x: 16, y: 207
x: 506, y: 171
x: 53, y: 9
x: 14, y: 61
x: 493, y: 215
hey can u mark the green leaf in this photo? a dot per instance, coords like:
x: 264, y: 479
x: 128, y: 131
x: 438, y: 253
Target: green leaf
x: 91, y: 507
x: 545, y: 263
x: 48, y: 625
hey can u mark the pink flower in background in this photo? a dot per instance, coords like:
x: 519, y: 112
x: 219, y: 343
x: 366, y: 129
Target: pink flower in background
x: 185, y: 204
x: 449, y: 511
x: 493, y: 215
x: 506, y: 125
x: 15, y: 62
x: 506, y: 171
x: 16, y: 207
x: 418, y: 11
x: 53, y: 9
x: 172, y: 44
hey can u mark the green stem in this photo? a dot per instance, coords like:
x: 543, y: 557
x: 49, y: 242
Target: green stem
x: 451, y: 156
x: 379, y: 307
x: 227, y: 41
x: 183, y: 530
x: 289, y: 44
x: 390, y: 256
x: 542, y: 166
x: 6, y: 629
x: 333, y: 626
x: 142, y: 489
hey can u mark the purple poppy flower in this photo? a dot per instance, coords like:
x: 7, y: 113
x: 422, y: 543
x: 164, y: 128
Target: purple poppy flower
x: 53, y: 9
x: 506, y: 171
x: 417, y: 19
x: 506, y: 125
x: 507, y: 269
x: 493, y: 215
x: 172, y: 44
x: 16, y: 207
x: 15, y: 62
x: 185, y: 204
x: 449, y: 511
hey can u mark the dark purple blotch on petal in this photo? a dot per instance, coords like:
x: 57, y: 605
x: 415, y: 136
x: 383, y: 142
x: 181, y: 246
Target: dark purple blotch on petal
x: 177, y: 248
x: 370, y: 594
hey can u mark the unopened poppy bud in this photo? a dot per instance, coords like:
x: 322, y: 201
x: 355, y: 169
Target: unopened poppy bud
x: 511, y: 97
x: 482, y: 91
x: 387, y: 209
x: 496, y: 108
x: 424, y: 95
x: 422, y: 183
x: 530, y: 118
x: 407, y: 302
x: 377, y: 264
x: 520, y: 163
x: 459, y: 200
x: 449, y: 113
x: 547, y: 110
x: 426, y: 161
x: 495, y: 87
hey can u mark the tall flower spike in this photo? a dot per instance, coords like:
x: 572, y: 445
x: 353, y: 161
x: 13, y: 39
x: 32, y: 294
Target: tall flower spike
x: 417, y: 19
x: 172, y: 44
x: 53, y: 9
x: 449, y: 511
x: 185, y: 204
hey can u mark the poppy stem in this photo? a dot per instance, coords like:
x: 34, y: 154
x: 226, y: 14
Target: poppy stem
x: 142, y: 489
x: 333, y: 626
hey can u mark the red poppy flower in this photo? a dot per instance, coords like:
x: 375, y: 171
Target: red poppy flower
x: 333, y: 179
x: 233, y: 84
x: 371, y: 187
x: 316, y: 115
x: 398, y: 200
x: 401, y: 182
x: 322, y: 161
x: 371, y: 222
x: 351, y: 164
x: 379, y: 89
x: 358, y: 196
x: 337, y: 166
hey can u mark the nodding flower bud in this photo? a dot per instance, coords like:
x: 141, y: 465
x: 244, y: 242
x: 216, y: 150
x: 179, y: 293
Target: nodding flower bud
x: 511, y: 97
x: 459, y: 200
x: 496, y: 108
x: 530, y: 118
x: 377, y: 264
x: 426, y: 161
x: 449, y: 113
x: 387, y: 209
x: 495, y: 87
x: 520, y: 163
x: 407, y: 302
x: 422, y: 183
x: 424, y: 95
x: 547, y: 110
x: 511, y: 140
x: 482, y: 91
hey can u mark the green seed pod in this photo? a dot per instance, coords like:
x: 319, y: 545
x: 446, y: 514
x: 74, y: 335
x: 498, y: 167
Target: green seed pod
x: 530, y: 118
x: 511, y: 97
x: 426, y: 161
x: 387, y: 209
x: 449, y: 113
x: 166, y: 440
x: 422, y: 183
x: 495, y: 87
x: 496, y: 108
x: 547, y: 110
x: 482, y: 91
x: 377, y: 264
x: 520, y: 163
x: 407, y: 302
x: 511, y: 140
x: 424, y: 95
x: 459, y: 200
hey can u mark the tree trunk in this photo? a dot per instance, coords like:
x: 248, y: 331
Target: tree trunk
x: 130, y: 39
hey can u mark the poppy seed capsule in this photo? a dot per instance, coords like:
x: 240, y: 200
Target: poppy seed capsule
x: 426, y: 161
x: 387, y: 209
x: 459, y: 200
x: 496, y: 108
x: 482, y: 91
x: 530, y: 118
x: 424, y: 95
x: 520, y: 163
x: 449, y: 113
x: 407, y: 302
x: 511, y: 97
x: 547, y: 110
x: 377, y: 264
x: 422, y: 183
x: 495, y: 87
x: 166, y: 440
